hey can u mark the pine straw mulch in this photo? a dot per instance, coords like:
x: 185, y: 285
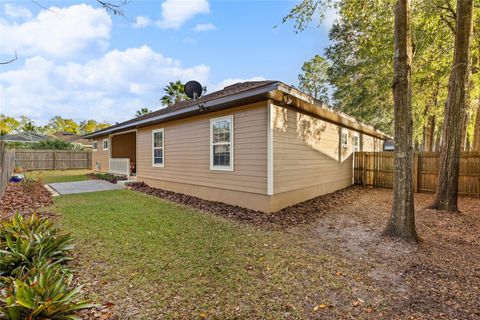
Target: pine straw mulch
x: 24, y: 197
x: 302, y: 213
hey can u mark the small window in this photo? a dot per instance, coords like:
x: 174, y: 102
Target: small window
x: 105, y: 144
x: 344, y: 140
x: 95, y: 145
x: 356, y: 142
x: 158, y: 156
x: 221, y: 143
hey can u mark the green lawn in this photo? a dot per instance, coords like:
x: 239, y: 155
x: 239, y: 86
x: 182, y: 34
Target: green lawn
x: 155, y: 259
x: 51, y: 176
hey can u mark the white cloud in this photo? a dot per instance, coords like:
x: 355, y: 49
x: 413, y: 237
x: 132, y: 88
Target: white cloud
x: 110, y: 88
x: 176, y: 12
x: 141, y: 22
x: 204, y: 27
x: 13, y: 11
x: 228, y: 82
x: 63, y: 33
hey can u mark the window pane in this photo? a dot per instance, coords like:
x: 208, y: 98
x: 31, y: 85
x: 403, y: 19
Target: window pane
x: 221, y: 131
x: 158, y: 156
x: 158, y: 139
x: 221, y: 155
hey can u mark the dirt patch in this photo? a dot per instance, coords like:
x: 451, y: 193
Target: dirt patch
x: 437, y: 278
x: 302, y: 213
x: 24, y: 197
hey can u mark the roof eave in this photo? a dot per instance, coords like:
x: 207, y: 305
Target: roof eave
x: 208, y: 106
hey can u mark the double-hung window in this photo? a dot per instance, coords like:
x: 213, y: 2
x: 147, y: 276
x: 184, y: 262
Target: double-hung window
x: 221, y: 143
x: 105, y: 144
x: 356, y: 142
x: 158, y: 142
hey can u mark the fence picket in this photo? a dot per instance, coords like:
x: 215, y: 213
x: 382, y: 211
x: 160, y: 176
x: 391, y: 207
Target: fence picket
x: 377, y: 169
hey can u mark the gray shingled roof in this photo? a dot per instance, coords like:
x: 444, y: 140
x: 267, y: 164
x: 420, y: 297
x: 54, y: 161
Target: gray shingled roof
x: 23, y: 137
x: 229, y: 90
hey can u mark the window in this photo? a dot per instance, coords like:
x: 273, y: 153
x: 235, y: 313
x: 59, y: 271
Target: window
x: 158, y: 156
x: 105, y: 144
x: 356, y: 142
x: 221, y: 143
x: 344, y: 140
x: 95, y: 145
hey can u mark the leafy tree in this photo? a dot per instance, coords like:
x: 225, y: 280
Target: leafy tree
x: 174, y: 93
x: 58, y: 123
x: 314, y: 79
x: 91, y: 125
x: 402, y: 220
x: 142, y: 112
x: 26, y: 125
x: 7, y: 124
x: 455, y: 111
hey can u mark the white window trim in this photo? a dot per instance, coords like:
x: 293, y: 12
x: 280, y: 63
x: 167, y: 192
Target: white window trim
x: 232, y: 139
x: 95, y: 142
x: 344, y: 132
x: 356, y: 135
x: 103, y: 145
x: 158, y: 165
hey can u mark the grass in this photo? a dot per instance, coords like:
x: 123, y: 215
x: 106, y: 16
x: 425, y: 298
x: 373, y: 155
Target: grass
x: 52, y: 176
x: 156, y: 259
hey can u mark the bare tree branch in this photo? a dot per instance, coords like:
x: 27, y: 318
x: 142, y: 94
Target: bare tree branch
x: 10, y: 61
x: 43, y: 7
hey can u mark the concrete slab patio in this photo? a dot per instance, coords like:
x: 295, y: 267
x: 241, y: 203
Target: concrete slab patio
x: 83, y: 186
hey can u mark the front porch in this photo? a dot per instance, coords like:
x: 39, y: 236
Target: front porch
x: 123, y: 154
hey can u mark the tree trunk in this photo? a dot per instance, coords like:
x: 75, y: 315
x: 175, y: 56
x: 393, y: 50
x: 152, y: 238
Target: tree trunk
x: 455, y: 109
x: 402, y: 221
x: 476, y: 130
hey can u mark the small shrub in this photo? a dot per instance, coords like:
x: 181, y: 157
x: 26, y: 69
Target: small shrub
x: 25, y: 242
x: 44, y: 293
x: 112, y: 178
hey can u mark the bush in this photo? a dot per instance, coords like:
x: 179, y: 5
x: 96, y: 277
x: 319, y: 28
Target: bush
x: 51, y: 144
x: 43, y: 293
x: 107, y: 177
x: 29, y: 242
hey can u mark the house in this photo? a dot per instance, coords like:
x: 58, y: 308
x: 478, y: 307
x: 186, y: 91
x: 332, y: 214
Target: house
x: 73, y: 138
x: 262, y: 145
x: 23, y: 137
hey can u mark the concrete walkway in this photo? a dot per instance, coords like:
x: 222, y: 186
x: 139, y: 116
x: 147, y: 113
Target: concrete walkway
x: 83, y: 186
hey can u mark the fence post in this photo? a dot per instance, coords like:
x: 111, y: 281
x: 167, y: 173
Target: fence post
x: 415, y: 172
x: 364, y: 179
x: 54, y: 160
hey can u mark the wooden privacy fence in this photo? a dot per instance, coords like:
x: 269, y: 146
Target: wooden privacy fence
x: 377, y: 169
x: 53, y: 159
x: 7, y: 165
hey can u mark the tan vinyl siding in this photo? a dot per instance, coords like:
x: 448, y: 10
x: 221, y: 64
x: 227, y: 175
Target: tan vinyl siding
x: 371, y: 144
x: 308, y: 156
x: 100, y: 156
x: 187, y: 151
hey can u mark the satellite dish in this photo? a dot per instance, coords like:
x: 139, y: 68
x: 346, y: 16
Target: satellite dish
x: 193, y: 89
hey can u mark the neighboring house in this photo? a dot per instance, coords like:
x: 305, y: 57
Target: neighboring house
x: 73, y: 138
x: 24, y: 137
x: 261, y: 145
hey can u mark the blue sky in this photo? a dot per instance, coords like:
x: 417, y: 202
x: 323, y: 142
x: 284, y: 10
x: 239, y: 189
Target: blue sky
x: 80, y: 62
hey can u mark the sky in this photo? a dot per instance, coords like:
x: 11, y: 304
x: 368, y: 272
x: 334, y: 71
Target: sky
x: 78, y: 61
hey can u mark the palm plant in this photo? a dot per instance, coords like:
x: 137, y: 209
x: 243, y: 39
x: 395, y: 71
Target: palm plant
x: 173, y: 93
x: 142, y: 112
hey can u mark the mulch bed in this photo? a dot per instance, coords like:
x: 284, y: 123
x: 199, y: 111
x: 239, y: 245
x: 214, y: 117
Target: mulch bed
x: 301, y: 213
x: 24, y: 198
